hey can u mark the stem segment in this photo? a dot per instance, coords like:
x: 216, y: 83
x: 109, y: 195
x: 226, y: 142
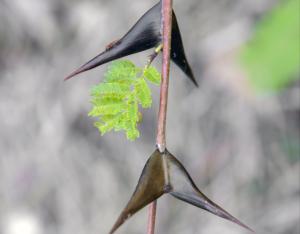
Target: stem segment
x: 162, y: 114
x: 166, y: 32
x: 151, y: 218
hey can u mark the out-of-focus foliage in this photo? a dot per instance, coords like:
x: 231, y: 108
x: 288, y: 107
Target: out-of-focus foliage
x: 116, y: 100
x: 272, y: 57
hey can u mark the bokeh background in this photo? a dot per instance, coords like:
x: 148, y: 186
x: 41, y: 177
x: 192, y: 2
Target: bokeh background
x: 238, y: 134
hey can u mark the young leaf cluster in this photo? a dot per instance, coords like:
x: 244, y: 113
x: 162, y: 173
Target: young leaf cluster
x: 116, y: 101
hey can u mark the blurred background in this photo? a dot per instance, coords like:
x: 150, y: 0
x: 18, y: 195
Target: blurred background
x: 238, y: 134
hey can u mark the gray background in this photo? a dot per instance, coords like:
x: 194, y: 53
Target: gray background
x: 59, y: 176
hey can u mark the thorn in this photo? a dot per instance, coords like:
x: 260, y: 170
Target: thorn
x: 144, y: 35
x: 163, y: 173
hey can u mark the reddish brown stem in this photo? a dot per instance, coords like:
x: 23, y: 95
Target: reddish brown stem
x: 162, y: 114
x: 151, y: 218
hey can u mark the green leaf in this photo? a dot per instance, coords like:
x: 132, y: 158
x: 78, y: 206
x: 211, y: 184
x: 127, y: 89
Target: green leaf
x: 143, y: 93
x: 133, y: 111
x: 123, y: 71
x: 115, y: 102
x: 105, y: 100
x: 151, y: 74
x: 114, y: 89
x: 132, y: 118
x: 108, y: 109
x: 108, y: 125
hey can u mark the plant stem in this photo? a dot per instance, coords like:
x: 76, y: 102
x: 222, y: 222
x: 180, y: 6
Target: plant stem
x: 151, y: 218
x: 162, y: 114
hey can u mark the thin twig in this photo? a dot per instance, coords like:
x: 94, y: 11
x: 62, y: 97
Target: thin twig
x: 167, y: 30
x: 154, y: 55
x: 151, y: 218
x: 162, y: 115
